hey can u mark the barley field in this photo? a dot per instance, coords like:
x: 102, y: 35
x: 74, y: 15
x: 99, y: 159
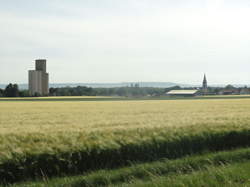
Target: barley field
x: 61, y: 138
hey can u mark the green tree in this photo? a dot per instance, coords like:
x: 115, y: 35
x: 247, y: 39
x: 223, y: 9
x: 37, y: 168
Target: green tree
x: 53, y: 91
x: 11, y: 90
x: 1, y: 92
x: 230, y: 87
x: 24, y: 93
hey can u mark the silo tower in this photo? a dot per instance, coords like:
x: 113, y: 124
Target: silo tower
x: 39, y: 79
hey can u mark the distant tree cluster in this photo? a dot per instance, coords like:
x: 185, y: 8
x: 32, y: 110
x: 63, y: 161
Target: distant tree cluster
x: 119, y: 91
x: 72, y: 91
x: 12, y: 90
x: 134, y: 91
x: 228, y: 90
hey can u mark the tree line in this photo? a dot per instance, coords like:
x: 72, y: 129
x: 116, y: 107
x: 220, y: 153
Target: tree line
x: 12, y: 90
x: 118, y: 91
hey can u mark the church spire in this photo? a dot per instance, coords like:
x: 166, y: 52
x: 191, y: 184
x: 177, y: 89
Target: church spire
x: 204, y: 84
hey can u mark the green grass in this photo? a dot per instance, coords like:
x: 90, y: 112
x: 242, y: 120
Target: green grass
x: 114, y: 154
x: 169, y: 169
x: 236, y: 175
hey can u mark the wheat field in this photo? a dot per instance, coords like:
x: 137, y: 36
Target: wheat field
x: 53, y: 117
x: 84, y: 133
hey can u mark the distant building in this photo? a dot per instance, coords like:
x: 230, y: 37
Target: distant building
x: 204, y: 85
x: 245, y: 91
x: 230, y: 90
x: 183, y: 93
x: 39, y: 79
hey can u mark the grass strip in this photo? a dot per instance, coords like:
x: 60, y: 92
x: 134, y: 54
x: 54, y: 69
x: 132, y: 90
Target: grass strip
x: 34, y: 166
x: 149, y: 171
x: 223, y: 176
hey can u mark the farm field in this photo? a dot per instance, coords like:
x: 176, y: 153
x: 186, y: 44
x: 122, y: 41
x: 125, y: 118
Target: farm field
x: 50, y: 140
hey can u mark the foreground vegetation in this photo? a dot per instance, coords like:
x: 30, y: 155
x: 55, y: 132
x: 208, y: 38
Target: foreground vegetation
x: 198, y: 170
x: 47, y: 139
x: 226, y: 176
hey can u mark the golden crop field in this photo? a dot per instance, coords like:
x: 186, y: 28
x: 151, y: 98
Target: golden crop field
x: 122, y: 129
x: 51, y: 117
x: 68, y: 119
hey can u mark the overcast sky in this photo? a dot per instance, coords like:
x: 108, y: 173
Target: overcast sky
x: 126, y: 40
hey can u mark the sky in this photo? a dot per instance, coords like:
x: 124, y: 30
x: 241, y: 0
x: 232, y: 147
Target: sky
x: 90, y: 41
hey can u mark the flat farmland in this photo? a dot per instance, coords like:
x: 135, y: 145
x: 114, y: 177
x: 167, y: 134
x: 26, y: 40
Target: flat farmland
x: 58, y: 138
x: 85, y: 117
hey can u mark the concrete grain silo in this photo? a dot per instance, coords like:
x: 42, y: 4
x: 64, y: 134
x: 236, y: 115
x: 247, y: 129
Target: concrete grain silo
x: 39, y: 79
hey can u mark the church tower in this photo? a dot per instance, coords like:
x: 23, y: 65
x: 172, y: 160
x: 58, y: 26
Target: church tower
x: 204, y: 85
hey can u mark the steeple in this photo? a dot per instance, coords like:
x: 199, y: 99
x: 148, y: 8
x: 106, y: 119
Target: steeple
x: 204, y: 84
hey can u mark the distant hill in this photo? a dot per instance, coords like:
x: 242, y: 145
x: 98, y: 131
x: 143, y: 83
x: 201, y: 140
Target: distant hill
x: 109, y: 85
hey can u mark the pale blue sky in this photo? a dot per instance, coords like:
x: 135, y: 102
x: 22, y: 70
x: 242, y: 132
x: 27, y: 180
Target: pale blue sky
x: 126, y: 40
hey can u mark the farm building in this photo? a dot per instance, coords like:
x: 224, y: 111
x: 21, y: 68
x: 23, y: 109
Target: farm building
x: 183, y: 93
